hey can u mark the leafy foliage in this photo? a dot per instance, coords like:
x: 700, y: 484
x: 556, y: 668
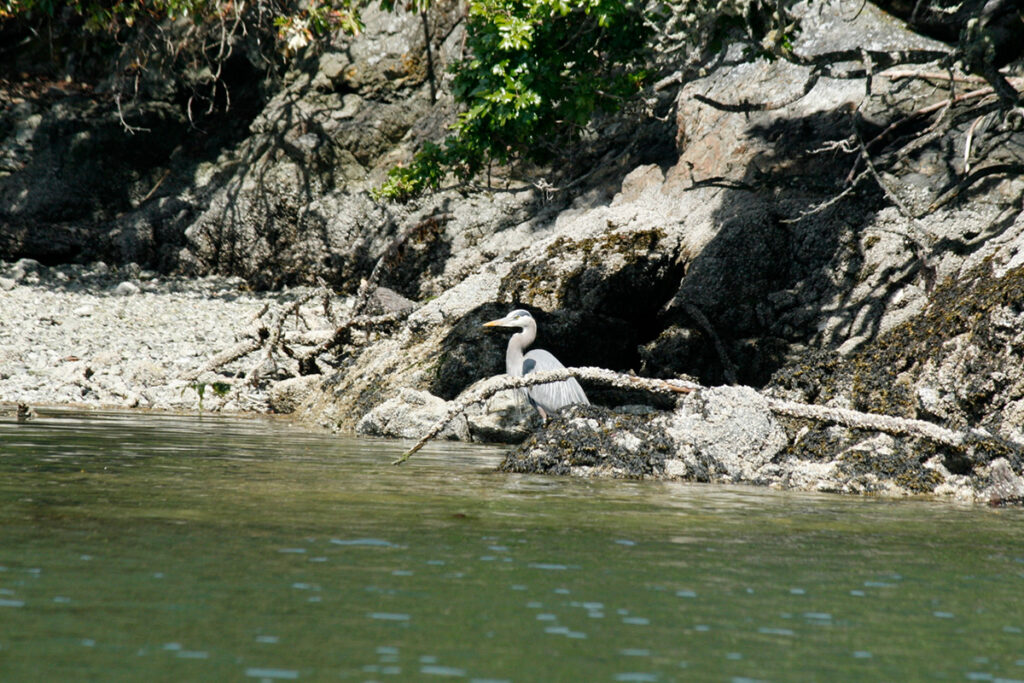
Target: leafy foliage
x: 196, y: 49
x: 292, y: 18
x: 534, y: 74
x: 107, y: 16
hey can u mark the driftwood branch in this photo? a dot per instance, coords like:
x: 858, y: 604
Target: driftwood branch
x: 342, y: 333
x: 242, y: 348
x: 273, y: 339
x: 251, y: 341
x: 492, y: 386
x: 888, y: 424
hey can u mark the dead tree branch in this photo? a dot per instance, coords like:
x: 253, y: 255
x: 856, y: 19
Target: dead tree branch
x: 343, y: 333
x: 252, y: 340
x: 853, y: 419
x: 248, y: 345
x: 273, y: 341
x: 493, y: 385
x: 888, y: 424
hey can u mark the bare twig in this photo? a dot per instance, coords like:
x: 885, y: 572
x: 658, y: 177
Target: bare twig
x: 830, y: 202
x: 158, y: 183
x: 728, y: 368
x: 128, y: 128
x: 341, y: 333
x: 923, y: 111
x: 897, y: 74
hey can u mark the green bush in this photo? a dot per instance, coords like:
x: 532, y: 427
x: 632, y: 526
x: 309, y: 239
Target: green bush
x: 534, y: 74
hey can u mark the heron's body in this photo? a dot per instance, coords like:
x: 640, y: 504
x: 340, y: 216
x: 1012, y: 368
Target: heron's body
x: 547, y: 398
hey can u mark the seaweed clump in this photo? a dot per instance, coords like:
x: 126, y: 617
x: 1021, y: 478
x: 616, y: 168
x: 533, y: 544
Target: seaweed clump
x: 593, y: 438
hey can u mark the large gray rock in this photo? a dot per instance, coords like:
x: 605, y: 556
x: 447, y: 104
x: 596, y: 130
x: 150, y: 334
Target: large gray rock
x: 409, y: 415
x: 722, y: 434
x: 286, y: 396
x: 295, y: 207
x: 725, y: 434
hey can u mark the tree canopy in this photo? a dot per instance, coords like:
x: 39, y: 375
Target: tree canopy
x: 533, y: 73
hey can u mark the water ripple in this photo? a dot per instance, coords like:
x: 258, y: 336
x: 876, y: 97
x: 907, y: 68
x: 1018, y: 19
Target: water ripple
x: 272, y: 674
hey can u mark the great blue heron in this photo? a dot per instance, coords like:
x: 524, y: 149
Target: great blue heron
x: 547, y: 398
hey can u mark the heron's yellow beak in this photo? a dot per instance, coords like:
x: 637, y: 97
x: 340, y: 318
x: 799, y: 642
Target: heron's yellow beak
x: 495, y: 323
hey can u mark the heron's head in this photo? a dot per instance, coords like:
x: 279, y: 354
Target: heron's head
x: 517, y: 318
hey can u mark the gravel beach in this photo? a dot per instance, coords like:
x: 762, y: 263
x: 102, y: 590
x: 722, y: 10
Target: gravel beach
x: 98, y: 336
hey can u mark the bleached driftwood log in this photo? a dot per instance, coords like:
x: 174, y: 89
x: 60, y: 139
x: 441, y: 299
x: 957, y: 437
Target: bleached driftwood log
x: 251, y: 340
x: 491, y: 386
x: 888, y: 424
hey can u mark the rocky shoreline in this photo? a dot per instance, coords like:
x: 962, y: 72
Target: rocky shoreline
x: 729, y: 230
x: 94, y: 336
x: 98, y: 336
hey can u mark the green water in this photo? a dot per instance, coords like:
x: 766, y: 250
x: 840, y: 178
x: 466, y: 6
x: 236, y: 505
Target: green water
x: 140, y: 547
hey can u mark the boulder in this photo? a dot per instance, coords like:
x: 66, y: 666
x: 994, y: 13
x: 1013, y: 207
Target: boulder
x: 408, y: 416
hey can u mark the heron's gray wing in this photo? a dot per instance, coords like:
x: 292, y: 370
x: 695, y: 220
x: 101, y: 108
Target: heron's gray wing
x: 554, y: 395
x: 539, y: 360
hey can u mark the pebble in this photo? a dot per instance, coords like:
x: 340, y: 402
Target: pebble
x: 126, y: 289
x: 101, y: 336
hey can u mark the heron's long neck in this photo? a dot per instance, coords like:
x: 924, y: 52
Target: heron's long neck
x: 516, y: 345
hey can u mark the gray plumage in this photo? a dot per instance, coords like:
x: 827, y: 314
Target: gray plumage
x: 547, y: 398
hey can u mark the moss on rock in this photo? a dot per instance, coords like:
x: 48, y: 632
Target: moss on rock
x: 593, y: 438
x: 883, y: 377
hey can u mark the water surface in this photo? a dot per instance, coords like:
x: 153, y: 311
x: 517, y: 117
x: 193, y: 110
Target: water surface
x: 147, y: 547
